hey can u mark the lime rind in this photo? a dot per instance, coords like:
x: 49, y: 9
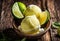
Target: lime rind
x: 43, y: 18
x: 56, y: 24
x: 47, y: 16
x: 22, y: 6
x: 16, y: 11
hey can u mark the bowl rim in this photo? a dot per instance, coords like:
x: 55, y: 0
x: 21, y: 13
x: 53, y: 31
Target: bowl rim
x: 33, y: 36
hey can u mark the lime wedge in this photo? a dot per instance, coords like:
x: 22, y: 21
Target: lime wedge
x: 16, y: 11
x: 43, y: 17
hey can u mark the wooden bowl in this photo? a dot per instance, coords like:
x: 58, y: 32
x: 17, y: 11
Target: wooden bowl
x: 17, y: 22
x: 48, y: 25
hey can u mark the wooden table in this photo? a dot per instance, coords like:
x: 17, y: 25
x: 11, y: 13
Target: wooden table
x: 6, y: 18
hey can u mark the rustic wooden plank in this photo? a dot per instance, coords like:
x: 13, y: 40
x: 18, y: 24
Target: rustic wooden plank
x: 0, y: 7
x: 0, y: 11
x: 46, y: 37
x: 43, y: 2
x: 57, y: 8
x: 51, y: 9
x: 54, y: 11
x: 6, y: 16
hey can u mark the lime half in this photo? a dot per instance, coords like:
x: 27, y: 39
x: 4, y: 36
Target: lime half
x: 16, y: 11
x: 44, y: 17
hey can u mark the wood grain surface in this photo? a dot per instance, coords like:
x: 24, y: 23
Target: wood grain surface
x: 6, y: 18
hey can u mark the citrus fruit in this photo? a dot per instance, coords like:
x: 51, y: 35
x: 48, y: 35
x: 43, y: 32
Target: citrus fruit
x: 18, y: 9
x: 44, y: 17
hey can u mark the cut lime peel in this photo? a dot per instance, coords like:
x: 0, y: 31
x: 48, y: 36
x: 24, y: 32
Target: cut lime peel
x: 56, y: 24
